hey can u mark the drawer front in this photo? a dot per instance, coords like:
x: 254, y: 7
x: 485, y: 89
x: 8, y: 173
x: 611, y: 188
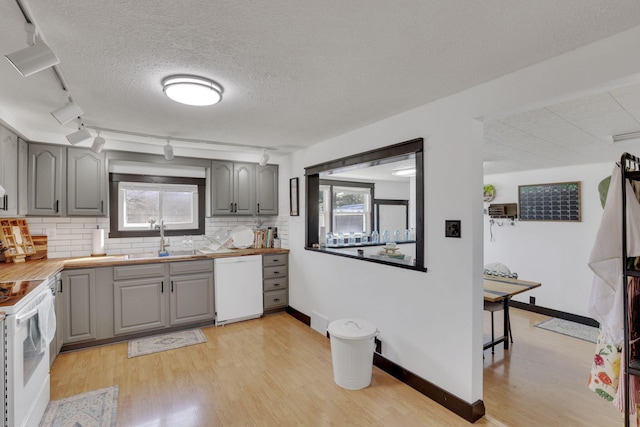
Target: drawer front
x: 275, y: 259
x: 273, y: 284
x: 188, y: 267
x: 275, y: 299
x: 138, y: 271
x: 277, y: 271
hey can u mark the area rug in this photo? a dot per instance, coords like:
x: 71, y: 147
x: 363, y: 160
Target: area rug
x: 572, y: 329
x: 163, y: 342
x: 96, y: 408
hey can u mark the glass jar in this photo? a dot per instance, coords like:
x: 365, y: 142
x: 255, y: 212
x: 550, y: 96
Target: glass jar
x: 374, y: 237
x: 329, y: 239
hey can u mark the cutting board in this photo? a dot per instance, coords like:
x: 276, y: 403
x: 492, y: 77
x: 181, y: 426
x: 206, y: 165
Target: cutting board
x: 16, y: 238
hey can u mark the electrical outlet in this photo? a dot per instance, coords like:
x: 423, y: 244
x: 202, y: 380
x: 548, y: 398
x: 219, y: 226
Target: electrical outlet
x: 532, y: 300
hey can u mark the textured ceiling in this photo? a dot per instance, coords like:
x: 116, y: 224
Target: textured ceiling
x: 570, y: 133
x: 294, y: 72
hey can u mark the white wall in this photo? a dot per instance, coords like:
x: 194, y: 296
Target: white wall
x: 392, y: 190
x: 553, y: 253
x: 431, y: 323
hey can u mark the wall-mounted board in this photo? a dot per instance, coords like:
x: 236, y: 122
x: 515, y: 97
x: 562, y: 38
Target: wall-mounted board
x: 549, y: 202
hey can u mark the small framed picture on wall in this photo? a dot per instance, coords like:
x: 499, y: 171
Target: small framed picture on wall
x: 293, y: 197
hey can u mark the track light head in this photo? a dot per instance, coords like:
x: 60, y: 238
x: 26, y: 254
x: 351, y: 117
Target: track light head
x: 78, y: 136
x: 32, y: 59
x: 98, y: 144
x: 264, y: 159
x: 67, y: 113
x: 168, y: 151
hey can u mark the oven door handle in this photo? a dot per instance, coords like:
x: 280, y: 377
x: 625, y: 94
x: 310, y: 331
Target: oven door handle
x: 28, y: 315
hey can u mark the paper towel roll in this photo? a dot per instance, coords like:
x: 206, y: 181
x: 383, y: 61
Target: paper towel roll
x: 98, y: 242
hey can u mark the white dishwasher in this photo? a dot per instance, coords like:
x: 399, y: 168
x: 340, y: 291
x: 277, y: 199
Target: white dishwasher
x: 238, y: 288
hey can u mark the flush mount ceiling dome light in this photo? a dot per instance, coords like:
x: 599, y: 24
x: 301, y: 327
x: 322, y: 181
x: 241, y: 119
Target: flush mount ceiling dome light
x: 192, y: 90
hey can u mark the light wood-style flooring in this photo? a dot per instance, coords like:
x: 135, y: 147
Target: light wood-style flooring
x: 276, y: 371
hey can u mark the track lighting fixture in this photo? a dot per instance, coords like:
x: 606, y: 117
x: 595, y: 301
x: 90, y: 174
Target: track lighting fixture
x: 264, y: 159
x: 78, y: 136
x: 168, y: 151
x: 68, y: 112
x: 98, y: 144
x: 192, y: 90
x: 37, y: 57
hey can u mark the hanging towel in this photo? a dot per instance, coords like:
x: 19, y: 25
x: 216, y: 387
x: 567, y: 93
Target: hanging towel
x: 606, y: 299
x: 46, y: 319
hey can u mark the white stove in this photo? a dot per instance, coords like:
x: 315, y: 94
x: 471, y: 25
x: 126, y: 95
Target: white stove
x: 28, y: 306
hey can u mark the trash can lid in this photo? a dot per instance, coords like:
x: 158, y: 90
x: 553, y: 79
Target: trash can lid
x: 352, y: 329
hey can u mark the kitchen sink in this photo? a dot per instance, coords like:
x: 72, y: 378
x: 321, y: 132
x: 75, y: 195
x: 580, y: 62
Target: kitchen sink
x: 145, y: 255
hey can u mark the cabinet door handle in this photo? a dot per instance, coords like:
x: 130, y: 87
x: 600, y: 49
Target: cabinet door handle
x: 60, y: 282
x: 276, y: 299
x: 258, y: 207
x: 235, y: 207
x: 276, y: 284
x: 102, y: 206
x: 276, y: 272
x: 172, y: 286
x: 162, y: 287
x: 57, y: 207
x: 231, y: 207
x: 5, y: 202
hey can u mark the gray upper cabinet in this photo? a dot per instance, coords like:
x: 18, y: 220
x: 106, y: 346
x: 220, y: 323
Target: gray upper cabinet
x: 13, y: 174
x: 86, y: 182
x: 8, y: 172
x: 23, y: 177
x: 46, y: 179
x: 233, y: 188
x: 267, y: 190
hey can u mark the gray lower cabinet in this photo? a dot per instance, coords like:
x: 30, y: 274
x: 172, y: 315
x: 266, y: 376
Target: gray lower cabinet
x: 86, y: 182
x: 156, y: 296
x: 79, y: 305
x: 139, y: 305
x: 275, y: 281
x: 56, y: 341
x: 191, y: 292
x: 139, y: 302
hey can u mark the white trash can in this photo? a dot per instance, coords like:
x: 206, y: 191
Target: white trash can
x: 352, y: 346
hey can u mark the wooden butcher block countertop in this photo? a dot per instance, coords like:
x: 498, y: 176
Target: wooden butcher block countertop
x: 45, y: 268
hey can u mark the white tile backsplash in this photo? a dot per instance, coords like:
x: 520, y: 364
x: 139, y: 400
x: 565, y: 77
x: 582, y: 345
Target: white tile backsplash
x: 72, y: 237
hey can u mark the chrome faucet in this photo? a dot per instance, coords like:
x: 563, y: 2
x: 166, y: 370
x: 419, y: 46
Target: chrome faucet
x: 163, y: 243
